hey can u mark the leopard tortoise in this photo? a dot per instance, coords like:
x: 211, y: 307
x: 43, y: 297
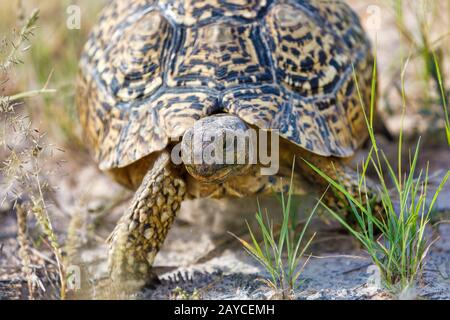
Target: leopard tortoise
x: 154, y: 73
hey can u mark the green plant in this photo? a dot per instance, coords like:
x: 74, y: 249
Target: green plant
x: 444, y: 100
x: 284, y: 273
x: 395, y: 239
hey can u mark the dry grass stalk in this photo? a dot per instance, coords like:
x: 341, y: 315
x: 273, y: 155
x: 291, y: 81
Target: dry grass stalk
x: 24, y: 249
x: 22, y: 173
x: 40, y: 212
x: 19, y: 46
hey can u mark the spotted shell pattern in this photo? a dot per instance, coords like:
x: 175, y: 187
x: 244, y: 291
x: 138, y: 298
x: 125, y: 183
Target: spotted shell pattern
x: 150, y: 69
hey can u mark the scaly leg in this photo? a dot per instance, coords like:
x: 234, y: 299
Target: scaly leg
x: 142, y: 230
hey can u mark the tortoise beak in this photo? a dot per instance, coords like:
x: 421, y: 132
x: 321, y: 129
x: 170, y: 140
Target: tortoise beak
x: 210, y: 173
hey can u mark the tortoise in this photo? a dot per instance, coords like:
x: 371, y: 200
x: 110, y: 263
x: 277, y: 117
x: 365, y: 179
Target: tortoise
x: 155, y: 75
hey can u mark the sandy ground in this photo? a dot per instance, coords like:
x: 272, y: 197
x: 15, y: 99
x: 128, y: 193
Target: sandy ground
x: 195, y: 258
x: 200, y: 256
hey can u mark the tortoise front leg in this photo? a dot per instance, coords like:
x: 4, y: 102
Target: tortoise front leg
x: 142, y: 230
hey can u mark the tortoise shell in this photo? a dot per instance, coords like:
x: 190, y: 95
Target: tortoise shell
x: 150, y: 69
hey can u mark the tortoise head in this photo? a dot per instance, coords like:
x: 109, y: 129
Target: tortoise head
x: 216, y: 148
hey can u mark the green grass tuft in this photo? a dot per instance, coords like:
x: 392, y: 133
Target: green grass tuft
x: 395, y: 240
x: 284, y: 272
